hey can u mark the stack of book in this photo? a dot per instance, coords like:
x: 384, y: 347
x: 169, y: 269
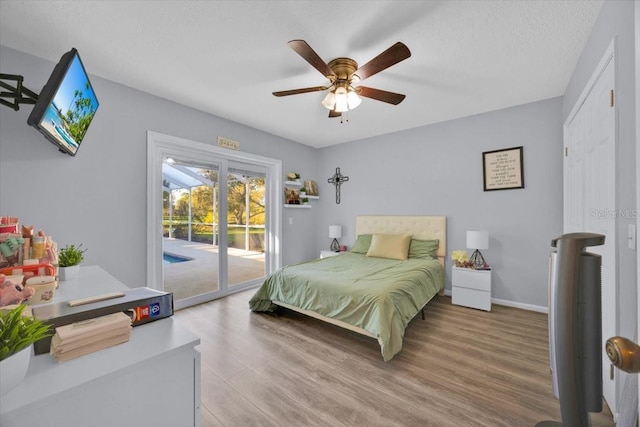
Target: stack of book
x: 88, y: 336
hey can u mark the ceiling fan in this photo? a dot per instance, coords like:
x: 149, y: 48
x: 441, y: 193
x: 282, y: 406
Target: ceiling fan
x: 344, y: 74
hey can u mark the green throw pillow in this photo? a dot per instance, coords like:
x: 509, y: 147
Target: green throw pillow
x: 423, y: 248
x: 362, y: 243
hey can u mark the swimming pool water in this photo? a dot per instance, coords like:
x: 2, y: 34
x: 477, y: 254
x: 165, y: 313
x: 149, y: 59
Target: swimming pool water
x: 172, y: 259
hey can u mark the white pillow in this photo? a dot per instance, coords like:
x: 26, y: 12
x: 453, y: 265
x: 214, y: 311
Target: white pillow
x: 393, y: 246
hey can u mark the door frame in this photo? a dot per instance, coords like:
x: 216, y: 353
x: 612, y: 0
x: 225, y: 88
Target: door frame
x: 637, y: 62
x: 161, y: 146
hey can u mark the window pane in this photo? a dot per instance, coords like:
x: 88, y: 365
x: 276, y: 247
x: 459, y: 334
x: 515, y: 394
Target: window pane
x: 190, y: 223
x: 245, y: 225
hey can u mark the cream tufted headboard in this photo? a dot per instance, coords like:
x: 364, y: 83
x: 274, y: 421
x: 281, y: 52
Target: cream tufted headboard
x: 420, y: 227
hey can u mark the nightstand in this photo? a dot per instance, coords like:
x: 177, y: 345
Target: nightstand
x: 325, y: 254
x: 471, y: 288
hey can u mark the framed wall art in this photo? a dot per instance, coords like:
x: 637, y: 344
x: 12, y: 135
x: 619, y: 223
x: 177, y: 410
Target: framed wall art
x: 503, y: 169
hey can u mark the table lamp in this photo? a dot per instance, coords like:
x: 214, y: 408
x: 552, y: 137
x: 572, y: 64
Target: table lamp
x: 335, y: 232
x: 477, y: 240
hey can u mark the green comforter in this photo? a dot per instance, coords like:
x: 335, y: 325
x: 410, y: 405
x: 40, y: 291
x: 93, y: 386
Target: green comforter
x: 376, y: 294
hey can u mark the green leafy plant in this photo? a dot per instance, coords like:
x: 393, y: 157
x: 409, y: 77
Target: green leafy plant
x: 70, y: 255
x: 18, y: 331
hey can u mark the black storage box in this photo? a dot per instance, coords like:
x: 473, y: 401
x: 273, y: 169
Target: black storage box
x: 143, y: 304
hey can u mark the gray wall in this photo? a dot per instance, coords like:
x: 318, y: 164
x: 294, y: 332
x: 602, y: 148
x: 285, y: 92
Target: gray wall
x: 98, y: 198
x: 616, y: 21
x: 437, y: 170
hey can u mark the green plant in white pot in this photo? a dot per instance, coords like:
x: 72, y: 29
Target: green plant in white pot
x: 17, y: 333
x: 69, y: 259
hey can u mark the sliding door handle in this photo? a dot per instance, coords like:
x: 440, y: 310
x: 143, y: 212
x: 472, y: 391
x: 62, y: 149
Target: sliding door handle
x: 624, y: 354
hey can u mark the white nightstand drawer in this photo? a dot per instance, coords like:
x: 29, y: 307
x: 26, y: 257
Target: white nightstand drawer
x: 472, y: 279
x: 471, y: 298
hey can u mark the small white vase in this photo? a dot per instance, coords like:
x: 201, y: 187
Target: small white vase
x: 13, y: 369
x: 68, y: 273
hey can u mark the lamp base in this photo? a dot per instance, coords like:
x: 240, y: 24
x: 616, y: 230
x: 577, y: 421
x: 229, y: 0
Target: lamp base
x: 477, y: 259
x: 335, y: 246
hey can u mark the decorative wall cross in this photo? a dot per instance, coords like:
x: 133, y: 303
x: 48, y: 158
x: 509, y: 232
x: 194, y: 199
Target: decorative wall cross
x: 337, y: 179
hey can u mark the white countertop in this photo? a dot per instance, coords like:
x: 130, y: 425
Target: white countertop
x: 92, y: 280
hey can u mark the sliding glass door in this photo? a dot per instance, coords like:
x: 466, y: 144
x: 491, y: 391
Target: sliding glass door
x: 219, y: 227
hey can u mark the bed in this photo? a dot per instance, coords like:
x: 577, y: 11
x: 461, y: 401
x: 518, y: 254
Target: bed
x: 367, y: 290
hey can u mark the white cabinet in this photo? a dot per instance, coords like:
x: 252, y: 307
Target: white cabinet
x: 151, y: 380
x: 471, y: 288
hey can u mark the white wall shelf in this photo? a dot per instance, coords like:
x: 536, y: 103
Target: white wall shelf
x: 299, y: 184
x: 298, y: 206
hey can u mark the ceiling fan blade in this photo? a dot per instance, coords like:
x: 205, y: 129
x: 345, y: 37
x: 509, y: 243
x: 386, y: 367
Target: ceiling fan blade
x: 334, y: 113
x: 309, y: 55
x: 297, y: 91
x: 380, y: 95
x: 396, y: 53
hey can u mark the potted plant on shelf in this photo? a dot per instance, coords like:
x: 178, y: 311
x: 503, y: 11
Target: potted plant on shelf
x: 17, y: 333
x: 293, y: 176
x: 303, y: 192
x: 69, y: 259
x: 305, y: 201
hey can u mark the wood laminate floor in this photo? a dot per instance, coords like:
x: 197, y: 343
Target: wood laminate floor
x: 459, y: 367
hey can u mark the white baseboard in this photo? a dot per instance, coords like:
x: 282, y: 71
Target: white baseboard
x: 530, y: 307
x: 523, y: 306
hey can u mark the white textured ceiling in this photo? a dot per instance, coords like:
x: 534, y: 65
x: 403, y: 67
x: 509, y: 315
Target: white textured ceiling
x: 226, y: 57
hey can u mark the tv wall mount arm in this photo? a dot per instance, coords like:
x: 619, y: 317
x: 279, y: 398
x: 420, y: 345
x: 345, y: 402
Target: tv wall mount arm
x: 15, y: 94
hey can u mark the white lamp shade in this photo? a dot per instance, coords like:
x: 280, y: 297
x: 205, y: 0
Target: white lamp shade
x: 478, y: 239
x: 335, y: 231
x: 341, y: 100
x: 329, y: 101
x: 353, y: 100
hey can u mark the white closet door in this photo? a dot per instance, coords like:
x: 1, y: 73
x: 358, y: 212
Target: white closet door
x: 589, y: 192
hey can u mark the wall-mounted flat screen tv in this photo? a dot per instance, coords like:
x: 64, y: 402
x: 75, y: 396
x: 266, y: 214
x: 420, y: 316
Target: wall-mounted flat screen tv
x: 66, y: 105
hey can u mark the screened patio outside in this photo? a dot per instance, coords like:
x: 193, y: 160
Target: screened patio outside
x: 191, y: 229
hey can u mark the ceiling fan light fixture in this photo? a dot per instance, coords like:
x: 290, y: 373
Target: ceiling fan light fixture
x: 353, y: 100
x: 342, y: 104
x: 329, y: 101
x: 344, y: 72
